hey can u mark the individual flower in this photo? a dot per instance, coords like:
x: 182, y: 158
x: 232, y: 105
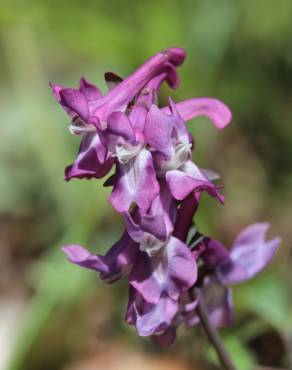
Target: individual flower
x: 249, y: 255
x: 88, y: 108
x: 153, y: 229
x: 171, y: 144
x: 156, y: 286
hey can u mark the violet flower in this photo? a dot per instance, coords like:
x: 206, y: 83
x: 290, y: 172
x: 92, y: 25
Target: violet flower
x: 88, y: 108
x: 157, y: 189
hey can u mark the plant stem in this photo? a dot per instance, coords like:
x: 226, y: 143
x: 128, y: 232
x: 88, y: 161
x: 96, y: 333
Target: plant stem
x: 214, y: 337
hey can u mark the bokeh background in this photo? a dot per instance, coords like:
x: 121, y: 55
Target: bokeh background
x: 55, y: 316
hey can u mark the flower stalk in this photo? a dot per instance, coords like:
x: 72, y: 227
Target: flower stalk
x: 214, y: 337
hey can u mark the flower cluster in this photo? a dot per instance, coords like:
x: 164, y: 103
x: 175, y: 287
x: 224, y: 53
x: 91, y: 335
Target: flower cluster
x: 156, y: 187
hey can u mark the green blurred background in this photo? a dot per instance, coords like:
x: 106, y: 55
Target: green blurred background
x: 54, y: 316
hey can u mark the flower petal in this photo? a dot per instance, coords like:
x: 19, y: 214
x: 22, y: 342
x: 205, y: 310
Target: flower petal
x: 158, y: 129
x: 182, y: 182
x: 82, y: 257
x: 117, y: 260
x: 214, y: 109
x: 74, y: 100
x: 119, y: 97
x: 89, y: 90
x: 118, y: 124
x: 157, y: 222
x: 93, y: 159
x: 172, y: 270
x: 250, y: 254
x: 148, y: 318
x: 135, y: 183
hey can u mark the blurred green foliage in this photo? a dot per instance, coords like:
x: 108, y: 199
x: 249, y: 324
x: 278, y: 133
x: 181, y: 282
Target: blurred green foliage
x: 237, y: 51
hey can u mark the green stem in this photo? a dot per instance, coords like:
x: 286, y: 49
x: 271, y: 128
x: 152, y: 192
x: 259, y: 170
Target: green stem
x: 214, y: 337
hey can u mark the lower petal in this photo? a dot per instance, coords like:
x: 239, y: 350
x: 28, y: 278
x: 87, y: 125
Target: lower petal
x: 136, y: 183
x: 181, y: 185
x: 93, y: 160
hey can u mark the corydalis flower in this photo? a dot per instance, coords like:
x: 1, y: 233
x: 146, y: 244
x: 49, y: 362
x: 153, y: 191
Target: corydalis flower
x: 170, y: 140
x: 157, y: 188
x: 88, y: 108
x: 221, y: 268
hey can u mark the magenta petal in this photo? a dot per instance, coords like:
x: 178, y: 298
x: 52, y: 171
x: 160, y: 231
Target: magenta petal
x: 119, y: 97
x: 140, y: 228
x: 172, y: 270
x: 135, y: 183
x: 214, y: 109
x: 82, y: 257
x: 119, y: 124
x: 153, y: 229
x: 176, y: 55
x: 75, y: 101
x: 117, y: 260
x: 93, y: 159
x: 150, y: 319
x: 89, y: 90
x: 190, y: 179
x: 250, y: 254
x: 156, y: 318
x: 56, y: 89
x: 143, y: 279
x: 158, y: 129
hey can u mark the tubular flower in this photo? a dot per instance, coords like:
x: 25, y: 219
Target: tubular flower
x: 157, y: 188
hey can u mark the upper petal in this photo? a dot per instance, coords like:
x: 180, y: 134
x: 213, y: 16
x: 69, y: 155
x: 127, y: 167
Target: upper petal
x: 119, y: 97
x: 118, y: 124
x: 214, y: 109
x: 82, y: 257
x: 250, y: 254
x: 157, y: 131
x: 75, y: 100
x: 89, y: 90
x: 190, y: 179
x: 117, y: 260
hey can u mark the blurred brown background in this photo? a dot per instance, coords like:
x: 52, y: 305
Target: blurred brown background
x: 54, y: 316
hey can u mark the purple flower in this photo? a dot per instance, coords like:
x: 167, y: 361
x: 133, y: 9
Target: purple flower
x: 157, y: 188
x: 172, y: 150
x: 117, y: 261
x: 88, y: 109
x: 149, y: 318
x: 152, y: 229
x: 170, y: 271
x: 249, y: 255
